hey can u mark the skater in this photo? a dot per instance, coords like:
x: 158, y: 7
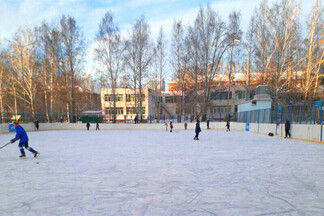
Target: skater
x: 97, y: 126
x: 197, y: 130
x: 287, y: 128
x: 208, y: 124
x: 88, y: 125
x: 22, y: 136
x: 171, y: 126
x: 228, y: 126
x: 185, y: 125
x: 37, y: 124
x: 166, y: 126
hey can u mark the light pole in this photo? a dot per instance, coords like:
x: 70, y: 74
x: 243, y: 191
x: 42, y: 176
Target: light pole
x: 247, y: 86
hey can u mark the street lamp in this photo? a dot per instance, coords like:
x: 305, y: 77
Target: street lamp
x: 248, y: 49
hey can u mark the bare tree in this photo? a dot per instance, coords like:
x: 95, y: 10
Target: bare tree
x: 276, y: 38
x: 234, y: 33
x: 110, y: 54
x: 315, y: 54
x: 71, y: 52
x: 47, y: 41
x: 139, y: 55
x: 213, y: 44
x: 160, y: 64
x: 2, y: 79
x: 193, y: 44
x: 179, y: 62
x: 24, y: 68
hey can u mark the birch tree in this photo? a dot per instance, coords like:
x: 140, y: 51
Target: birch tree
x: 160, y: 64
x: 2, y: 79
x: 71, y: 52
x: 277, y: 38
x: 179, y: 61
x: 315, y: 50
x: 48, y: 38
x: 24, y: 68
x: 110, y: 54
x: 214, y: 42
x: 139, y: 55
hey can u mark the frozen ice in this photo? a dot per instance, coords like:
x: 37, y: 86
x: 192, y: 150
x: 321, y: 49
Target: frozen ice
x: 147, y: 172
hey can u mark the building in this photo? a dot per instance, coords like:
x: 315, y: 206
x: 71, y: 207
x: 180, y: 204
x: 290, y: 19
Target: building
x: 260, y: 102
x: 155, y: 105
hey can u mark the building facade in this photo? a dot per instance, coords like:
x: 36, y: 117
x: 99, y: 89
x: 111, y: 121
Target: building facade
x: 155, y: 105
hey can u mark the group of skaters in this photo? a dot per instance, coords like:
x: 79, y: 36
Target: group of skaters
x: 197, y: 127
x: 88, y: 126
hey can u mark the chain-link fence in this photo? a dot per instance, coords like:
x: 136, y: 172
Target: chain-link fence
x: 40, y: 117
x: 304, y: 113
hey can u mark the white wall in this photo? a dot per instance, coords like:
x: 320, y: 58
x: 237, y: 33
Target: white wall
x: 303, y: 131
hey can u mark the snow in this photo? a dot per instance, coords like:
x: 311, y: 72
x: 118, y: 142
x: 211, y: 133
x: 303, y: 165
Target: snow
x: 161, y: 173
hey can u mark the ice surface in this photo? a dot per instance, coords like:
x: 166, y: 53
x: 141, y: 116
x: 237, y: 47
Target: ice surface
x: 161, y: 173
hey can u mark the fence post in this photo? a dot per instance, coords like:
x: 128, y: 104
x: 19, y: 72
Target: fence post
x: 314, y: 115
x: 299, y: 116
x: 310, y: 113
x: 320, y: 118
x: 290, y: 113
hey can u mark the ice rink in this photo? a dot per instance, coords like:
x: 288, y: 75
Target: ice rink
x: 161, y: 173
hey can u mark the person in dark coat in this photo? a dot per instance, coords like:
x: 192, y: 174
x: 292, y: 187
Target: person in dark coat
x: 287, y: 128
x: 185, y: 125
x: 37, y: 124
x: 22, y: 136
x: 227, y: 126
x: 197, y: 130
x: 88, y: 125
x: 208, y: 124
x: 97, y: 126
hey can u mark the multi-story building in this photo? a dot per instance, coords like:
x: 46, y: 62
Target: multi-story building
x: 155, y: 105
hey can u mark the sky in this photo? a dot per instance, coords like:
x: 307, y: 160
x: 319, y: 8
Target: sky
x: 88, y: 14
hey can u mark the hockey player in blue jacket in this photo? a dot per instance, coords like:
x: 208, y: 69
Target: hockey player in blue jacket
x: 22, y: 136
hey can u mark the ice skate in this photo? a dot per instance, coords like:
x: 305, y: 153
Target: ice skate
x: 36, y: 154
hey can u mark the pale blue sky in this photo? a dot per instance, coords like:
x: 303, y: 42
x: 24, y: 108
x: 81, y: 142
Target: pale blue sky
x: 15, y: 13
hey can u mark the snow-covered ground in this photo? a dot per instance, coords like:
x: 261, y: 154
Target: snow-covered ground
x: 161, y: 173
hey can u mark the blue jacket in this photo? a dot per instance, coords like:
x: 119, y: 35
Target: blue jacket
x: 21, y: 134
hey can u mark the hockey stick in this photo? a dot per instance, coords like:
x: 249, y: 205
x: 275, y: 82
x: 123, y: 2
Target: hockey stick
x: 5, y: 145
x: 175, y: 131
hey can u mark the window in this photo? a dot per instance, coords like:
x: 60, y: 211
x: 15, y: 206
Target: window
x: 132, y: 110
x: 240, y: 94
x: 119, y: 97
x: 220, y: 95
x: 220, y: 109
x: 131, y: 97
x: 119, y: 111
x: 171, y: 99
x: 110, y: 97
